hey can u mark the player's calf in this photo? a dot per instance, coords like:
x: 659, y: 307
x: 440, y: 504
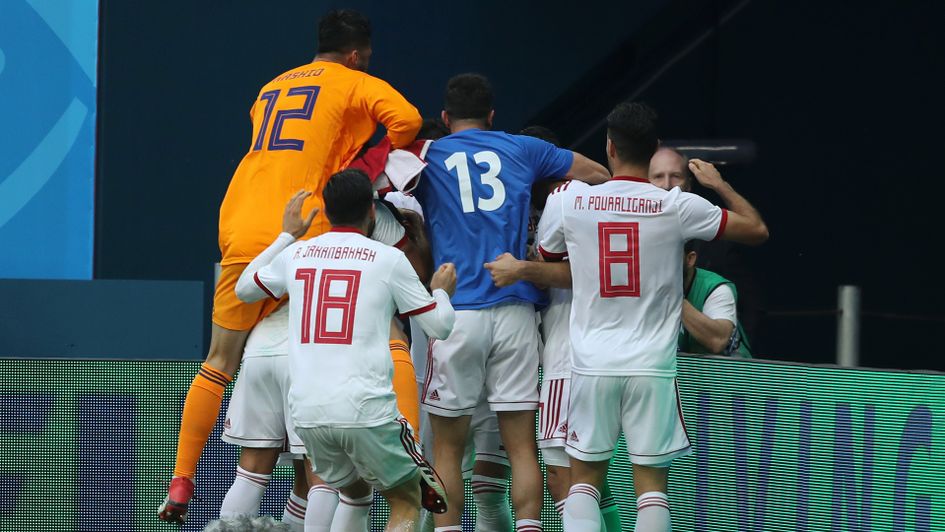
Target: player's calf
x: 518, y: 435
x: 449, y: 447
x: 404, y: 502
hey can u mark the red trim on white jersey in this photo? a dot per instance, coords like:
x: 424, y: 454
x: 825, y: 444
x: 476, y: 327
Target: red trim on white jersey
x: 722, y: 224
x: 420, y: 310
x: 550, y: 255
x: 629, y: 178
x: 263, y: 287
x: 345, y: 229
x: 402, y: 242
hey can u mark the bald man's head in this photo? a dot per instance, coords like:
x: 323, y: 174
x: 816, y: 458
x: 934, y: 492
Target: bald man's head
x: 669, y: 168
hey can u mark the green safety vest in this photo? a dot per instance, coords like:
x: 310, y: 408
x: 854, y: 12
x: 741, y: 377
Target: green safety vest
x: 703, y: 284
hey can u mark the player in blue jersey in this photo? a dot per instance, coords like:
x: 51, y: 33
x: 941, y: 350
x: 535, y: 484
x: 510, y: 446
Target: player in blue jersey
x: 476, y: 192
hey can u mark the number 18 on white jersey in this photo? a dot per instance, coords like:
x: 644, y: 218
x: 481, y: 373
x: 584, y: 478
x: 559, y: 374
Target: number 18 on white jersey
x: 343, y: 290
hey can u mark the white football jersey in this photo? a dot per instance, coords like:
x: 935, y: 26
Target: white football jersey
x: 556, y: 317
x: 555, y: 335
x: 343, y: 290
x: 624, y: 240
x: 269, y: 337
x: 387, y: 228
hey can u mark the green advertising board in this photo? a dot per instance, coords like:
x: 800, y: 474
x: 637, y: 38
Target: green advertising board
x: 89, y: 445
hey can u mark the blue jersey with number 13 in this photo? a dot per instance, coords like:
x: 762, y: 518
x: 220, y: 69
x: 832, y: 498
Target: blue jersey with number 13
x: 475, y: 192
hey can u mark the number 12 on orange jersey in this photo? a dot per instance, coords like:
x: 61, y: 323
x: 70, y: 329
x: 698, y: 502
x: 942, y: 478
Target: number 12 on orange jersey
x: 276, y: 142
x: 619, y: 247
x: 335, y: 308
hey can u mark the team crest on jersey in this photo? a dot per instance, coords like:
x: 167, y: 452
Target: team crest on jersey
x: 434, y: 396
x: 573, y: 436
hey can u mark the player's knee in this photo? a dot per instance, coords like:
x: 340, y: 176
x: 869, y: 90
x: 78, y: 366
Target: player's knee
x: 490, y: 469
x: 259, y: 460
x: 559, y: 482
x: 356, y: 490
x: 449, y: 433
x: 226, y: 349
x: 648, y: 478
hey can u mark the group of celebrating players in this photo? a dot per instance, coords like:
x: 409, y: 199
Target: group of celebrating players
x: 512, y: 254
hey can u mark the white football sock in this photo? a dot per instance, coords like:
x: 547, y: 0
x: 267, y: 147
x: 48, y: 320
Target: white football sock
x: 245, y: 495
x: 493, y: 513
x: 322, y: 502
x: 294, y: 512
x: 528, y: 525
x: 351, y: 514
x: 653, y: 513
x: 582, y: 509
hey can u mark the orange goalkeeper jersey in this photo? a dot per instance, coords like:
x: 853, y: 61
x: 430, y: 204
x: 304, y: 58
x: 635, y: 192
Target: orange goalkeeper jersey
x: 308, y: 123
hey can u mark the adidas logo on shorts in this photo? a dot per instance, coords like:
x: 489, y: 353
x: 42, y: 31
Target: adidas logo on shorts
x: 434, y: 396
x: 563, y: 428
x: 226, y: 424
x: 573, y: 436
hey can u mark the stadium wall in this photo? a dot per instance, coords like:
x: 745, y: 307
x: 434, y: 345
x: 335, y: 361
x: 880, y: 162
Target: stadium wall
x: 88, y: 445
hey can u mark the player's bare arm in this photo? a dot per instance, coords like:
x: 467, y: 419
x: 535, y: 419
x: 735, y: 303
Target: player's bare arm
x: 506, y: 270
x: 712, y: 333
x: 586, y: 170
x: 744, y: 223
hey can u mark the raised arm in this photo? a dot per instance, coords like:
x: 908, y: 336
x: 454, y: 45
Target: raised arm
x: 744, y: 223
x: 586, y: 170
x: 389, y: 107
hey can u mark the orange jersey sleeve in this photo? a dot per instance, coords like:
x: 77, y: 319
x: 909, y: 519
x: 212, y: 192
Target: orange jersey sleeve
x: 308, y: 124
x: 389, y: 107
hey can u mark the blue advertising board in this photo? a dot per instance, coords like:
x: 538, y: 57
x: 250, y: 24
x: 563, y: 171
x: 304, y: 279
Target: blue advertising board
x: 48, y: 60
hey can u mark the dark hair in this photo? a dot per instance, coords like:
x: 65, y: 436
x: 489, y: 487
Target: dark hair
x: 343, y: 30
x: 692, y: 245
x: 468, y: 96
x: 631, y: 127
x: 348, y: 197
x: 543, y: 133
x: 432, y: 129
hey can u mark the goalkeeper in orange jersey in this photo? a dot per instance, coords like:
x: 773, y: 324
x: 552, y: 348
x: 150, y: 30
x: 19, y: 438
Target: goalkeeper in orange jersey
x: 308, y: 123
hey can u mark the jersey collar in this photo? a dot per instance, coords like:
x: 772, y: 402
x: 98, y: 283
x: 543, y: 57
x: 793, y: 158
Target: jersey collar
x: 629, y: 178
x: 345, y: 229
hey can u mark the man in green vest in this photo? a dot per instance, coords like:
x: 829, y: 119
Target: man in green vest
x: 710, y: 322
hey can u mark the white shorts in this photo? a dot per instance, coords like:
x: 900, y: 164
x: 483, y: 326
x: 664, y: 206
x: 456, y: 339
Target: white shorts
x: 646, y: 408
x: 385, y: 456
x: 553, y: 421
x: 258, y: 415
x: 493, y: 349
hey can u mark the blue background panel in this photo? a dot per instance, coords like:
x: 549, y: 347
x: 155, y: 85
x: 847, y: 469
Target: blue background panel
x: 47, y: 78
